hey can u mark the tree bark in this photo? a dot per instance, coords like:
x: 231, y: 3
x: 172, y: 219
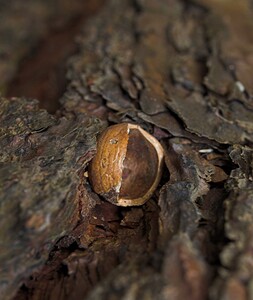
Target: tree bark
x: 181, y: 70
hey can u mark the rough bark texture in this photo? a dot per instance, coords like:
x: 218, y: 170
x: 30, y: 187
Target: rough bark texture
x: 183, y: 71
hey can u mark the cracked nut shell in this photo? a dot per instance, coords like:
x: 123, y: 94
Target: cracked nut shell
x: 127, y: 166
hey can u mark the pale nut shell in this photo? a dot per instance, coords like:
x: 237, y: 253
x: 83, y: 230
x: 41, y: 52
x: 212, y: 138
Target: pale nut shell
x: 127, y: 166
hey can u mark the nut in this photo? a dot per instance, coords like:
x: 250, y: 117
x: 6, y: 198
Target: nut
x: 127, y: 166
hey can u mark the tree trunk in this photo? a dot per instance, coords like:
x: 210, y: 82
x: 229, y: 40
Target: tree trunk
x: 183, y: 71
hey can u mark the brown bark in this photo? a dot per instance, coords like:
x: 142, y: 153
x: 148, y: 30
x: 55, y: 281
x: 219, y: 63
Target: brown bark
x: 182, y: 70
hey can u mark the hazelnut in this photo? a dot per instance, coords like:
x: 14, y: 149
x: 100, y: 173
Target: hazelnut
x: 127, y: 166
